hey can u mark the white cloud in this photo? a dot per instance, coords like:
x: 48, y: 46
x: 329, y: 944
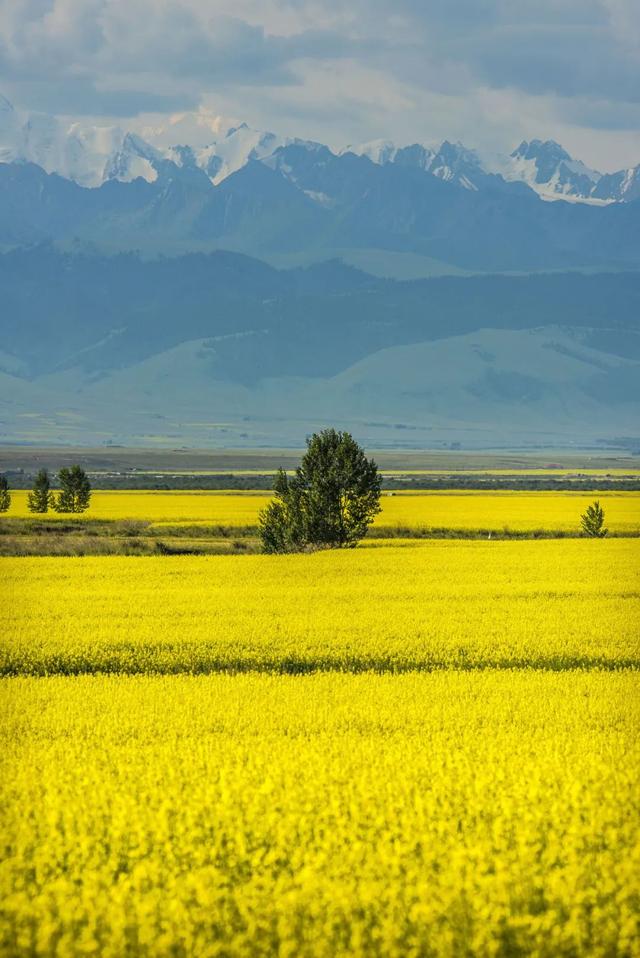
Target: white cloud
x: 486, y: 71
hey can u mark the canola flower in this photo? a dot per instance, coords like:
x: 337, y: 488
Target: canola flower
x: 552, y: 604
x: 449, y: 814
x: 457, y: 777
x: 455, y: 510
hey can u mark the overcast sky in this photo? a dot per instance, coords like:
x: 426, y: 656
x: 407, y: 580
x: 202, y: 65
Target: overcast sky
x: 487, y: 72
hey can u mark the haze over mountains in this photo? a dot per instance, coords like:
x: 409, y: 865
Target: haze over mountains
x: 140, y: 302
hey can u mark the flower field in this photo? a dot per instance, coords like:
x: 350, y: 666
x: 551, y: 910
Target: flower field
x: 448, y: 814
x: 413, y: 748
x: 466, y: 510
x: 437, y: 604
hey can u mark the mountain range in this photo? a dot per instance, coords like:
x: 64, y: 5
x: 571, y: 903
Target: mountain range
x: 402, y: 212
x: 91, y: 155
x: 224, y: 349
x: 203, y: 282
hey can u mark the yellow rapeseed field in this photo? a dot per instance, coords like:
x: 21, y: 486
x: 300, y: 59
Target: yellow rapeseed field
x: 444, y: 603
x: 449, y: 814
x: 414, y: 749
x: 466, y: 510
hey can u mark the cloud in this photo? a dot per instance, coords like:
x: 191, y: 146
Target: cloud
x: 476, y: 69
x: 87, y: 50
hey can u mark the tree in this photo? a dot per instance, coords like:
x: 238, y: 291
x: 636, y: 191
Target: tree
x: 75, y: 490
x: 592, y: 521
x: 5, y: 495
x: 330, y: 501
x: 40, y: 498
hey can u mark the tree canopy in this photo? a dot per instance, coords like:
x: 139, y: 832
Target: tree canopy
x: 75, y: 490
x: 330, y: 500
x: 5, y: 495
x: 592, y: 521
x: 40, y: 498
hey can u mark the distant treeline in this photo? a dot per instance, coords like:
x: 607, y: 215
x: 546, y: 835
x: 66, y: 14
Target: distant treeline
x: 24, y: 480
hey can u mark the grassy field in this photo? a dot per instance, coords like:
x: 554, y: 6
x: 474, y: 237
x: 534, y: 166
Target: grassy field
x: 414, y: 748
x: 460, y: 510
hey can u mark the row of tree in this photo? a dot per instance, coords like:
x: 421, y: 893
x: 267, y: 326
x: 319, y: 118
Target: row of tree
x: 74, y: 494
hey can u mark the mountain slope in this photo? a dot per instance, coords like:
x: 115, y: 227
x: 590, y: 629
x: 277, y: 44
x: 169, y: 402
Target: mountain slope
x: 489, y: 388
x: 314, y: 200
x: 190, y: 346
x: 104, y: 312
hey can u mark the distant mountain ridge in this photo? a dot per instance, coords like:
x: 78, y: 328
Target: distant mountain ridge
x: 91, y: 155
x: 224, y: 349
x: 313, y: 202
x: 140, y: 302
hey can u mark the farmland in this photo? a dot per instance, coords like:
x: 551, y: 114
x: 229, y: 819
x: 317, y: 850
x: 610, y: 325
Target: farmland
x: 448, y: 814
x: 417, y: 747
x: 549, y: 604
x: 558, y: 511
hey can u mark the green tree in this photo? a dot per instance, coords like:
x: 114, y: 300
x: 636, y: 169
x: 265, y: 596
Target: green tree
x: 40, y: 498
x: 592, y: 521
x: 5, y: 495
x: 329, y: 502
x: 75, y: 490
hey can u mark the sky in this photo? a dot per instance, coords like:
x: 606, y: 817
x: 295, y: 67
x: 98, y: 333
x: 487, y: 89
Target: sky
x: 487, y: 72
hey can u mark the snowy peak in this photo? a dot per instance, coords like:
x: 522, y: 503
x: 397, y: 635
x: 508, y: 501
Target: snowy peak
x: 197, y: 128
x: 74, y: 150
x: 237, y: 148
x: 542, y: 165
x: 378, y: 151
x: 548, y: 169
x: 382, y: 152
x: 547, y: 151
x: 450, y: 161
x: 454, y: 162
x: 133, y: 159
x: 620, y: 187
x: 90, y: 155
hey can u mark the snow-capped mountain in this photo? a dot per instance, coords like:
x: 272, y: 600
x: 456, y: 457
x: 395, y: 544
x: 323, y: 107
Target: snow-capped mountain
x: 544, y: 167
x: 228, y: 154
x: 621, y: 187
x: 90, y: 155
x: 451, y: 162
x: 385, y: 151
x: 84, y: 153
x: 550, y: 170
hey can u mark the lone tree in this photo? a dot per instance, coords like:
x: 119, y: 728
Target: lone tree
x: 75, y: 490
x: 40, y: 498
x: 5, y: 495
x: 329, y: 502
x: 592, y: 521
